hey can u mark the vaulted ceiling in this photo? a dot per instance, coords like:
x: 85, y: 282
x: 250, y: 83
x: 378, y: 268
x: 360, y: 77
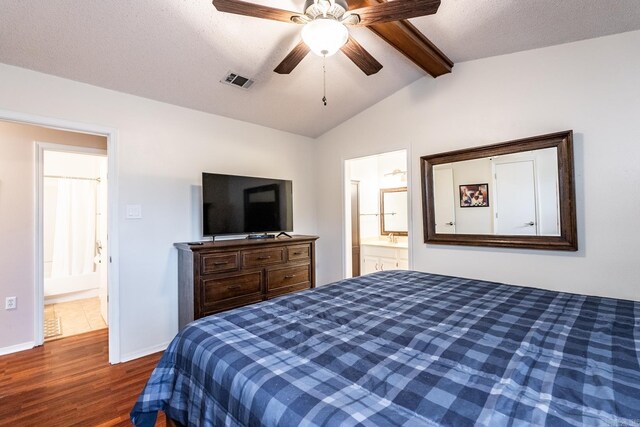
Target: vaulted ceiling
x: 177, y: 51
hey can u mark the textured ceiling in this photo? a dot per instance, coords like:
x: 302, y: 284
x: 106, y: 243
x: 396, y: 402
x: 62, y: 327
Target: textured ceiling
x: 176, y: 51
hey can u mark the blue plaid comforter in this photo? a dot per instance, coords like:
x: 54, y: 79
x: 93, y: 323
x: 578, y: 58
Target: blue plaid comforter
x: 405, y: 348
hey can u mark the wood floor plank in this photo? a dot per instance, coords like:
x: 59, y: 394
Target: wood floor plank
x: 69, y: 382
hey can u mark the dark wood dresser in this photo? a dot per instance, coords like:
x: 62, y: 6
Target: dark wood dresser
x: 217, y: 276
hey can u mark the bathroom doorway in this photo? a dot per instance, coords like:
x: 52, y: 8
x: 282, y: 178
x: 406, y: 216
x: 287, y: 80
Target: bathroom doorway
x: 73, y: 237
x: 376, y: 213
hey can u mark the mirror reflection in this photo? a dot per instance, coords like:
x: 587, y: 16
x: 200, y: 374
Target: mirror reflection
x: 513, y: 194
x: 393, y: 210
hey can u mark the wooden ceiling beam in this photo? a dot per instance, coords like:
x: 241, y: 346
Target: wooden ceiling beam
x: 406, y: 38
x: 409, y: 41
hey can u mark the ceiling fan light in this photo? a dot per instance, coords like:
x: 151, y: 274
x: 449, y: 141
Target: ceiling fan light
x: 325, y: 36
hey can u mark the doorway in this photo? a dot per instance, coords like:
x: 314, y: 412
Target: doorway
x: 74, y: 240
x: 34, y: 176
x: 376, y: 213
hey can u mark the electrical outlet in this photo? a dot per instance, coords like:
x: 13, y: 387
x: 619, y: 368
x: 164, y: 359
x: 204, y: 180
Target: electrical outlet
x: 11, y: 303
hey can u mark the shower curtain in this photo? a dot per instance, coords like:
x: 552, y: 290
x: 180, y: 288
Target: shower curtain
x: 74, y: 237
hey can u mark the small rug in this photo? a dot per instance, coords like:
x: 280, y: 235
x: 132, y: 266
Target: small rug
x: 52, y: 327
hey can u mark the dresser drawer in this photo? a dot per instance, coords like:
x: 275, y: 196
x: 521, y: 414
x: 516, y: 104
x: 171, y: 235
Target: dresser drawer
x: 299, y: 252
x: 228, y: 304
x: 288, y: 289
x: 217, y: 289
x: 217, y: 263
x: 289, y: 276
x: 259, y: 258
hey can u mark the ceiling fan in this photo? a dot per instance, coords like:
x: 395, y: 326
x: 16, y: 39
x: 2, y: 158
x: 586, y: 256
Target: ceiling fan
x: 324, y: 30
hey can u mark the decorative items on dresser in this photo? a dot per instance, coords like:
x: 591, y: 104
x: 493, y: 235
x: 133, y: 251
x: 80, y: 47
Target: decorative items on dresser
x: 220, y: 275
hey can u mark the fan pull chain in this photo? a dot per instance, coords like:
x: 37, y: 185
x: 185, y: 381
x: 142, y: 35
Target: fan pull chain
x: 324, y: 80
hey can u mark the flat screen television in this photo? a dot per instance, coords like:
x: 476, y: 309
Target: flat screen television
x: 233, y: 204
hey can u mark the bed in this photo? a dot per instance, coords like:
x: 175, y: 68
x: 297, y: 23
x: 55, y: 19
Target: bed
x: 405, y: 348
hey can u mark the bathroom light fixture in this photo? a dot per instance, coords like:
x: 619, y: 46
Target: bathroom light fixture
x: 396, y: 172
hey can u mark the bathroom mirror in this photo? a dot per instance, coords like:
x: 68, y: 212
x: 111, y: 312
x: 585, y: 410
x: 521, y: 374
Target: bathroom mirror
x: 393, y: 211
x: 512, y: 194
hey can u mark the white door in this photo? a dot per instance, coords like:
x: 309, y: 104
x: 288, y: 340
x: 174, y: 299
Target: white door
x: 444, y: 201
x: 515, y: 198
x: 101, y: 241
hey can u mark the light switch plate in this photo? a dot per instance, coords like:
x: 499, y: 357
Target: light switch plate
x: 134, y: 212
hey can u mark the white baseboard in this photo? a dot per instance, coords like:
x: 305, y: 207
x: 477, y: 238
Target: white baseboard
x: 72, y: 296
x: 144, y: 352
x: 18, y: 347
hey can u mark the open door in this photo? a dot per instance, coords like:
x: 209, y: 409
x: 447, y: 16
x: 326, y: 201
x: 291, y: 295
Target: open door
x: 102, y: 241
x: 355, y: 228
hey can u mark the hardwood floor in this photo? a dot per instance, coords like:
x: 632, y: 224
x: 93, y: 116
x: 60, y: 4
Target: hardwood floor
x: 69, y: 382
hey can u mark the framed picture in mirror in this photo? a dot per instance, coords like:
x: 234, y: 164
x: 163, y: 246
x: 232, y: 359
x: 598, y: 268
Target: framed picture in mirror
x: 474, y: 195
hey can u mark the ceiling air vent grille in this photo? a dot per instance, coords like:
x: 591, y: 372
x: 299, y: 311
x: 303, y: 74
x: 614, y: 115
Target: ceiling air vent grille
x: 237, y: 80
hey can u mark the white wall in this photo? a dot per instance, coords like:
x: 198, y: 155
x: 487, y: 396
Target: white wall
x: 162, y: 150
x: 590, y: 86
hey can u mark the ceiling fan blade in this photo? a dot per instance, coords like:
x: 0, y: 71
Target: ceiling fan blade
x: 256, y: 10
x: 355, y: 4
x: 292, y: 60
x: 363, y: 59
x: 395, y: 11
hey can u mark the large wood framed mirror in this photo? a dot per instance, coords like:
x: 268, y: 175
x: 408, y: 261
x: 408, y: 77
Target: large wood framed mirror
x: 518, y: 194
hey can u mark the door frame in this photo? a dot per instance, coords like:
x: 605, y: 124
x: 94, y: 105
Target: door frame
x: 346, y: 205
x: 113, y: 276
x: 355, y: 183
x: 41, y: 147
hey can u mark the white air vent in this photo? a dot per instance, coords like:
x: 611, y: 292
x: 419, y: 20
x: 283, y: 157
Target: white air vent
x: 237, y: 80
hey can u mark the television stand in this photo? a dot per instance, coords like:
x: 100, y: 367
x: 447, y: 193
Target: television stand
x: 221, y: 275
x: 282, y: 233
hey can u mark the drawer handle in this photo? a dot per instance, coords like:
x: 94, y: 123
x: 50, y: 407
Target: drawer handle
x: 234, y: 287
x: 264, y: 257
x: 290, y: 276
x: 297, y: 253
x: 221, y: 263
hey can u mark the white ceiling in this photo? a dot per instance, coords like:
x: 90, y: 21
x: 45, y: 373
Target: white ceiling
x: 176, y: 51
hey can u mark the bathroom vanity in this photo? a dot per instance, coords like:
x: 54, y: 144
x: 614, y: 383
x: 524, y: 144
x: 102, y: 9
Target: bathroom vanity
x: 384, y: 254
